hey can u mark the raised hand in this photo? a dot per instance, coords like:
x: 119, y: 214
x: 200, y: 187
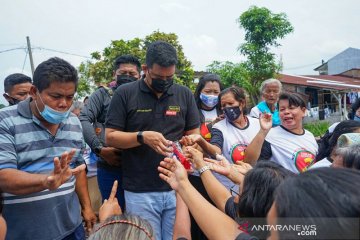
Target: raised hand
x: 195, y: 157
x: 190, y: 140
x: 110, y: 206
x: 157, y: 142
x: 62, y: 171
x: 221, y: 166
x: 242, y: 167
x: 265, y: 121
x: 111, y: 156
x: 172, y: 172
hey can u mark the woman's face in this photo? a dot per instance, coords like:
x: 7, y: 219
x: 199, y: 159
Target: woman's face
x: 291, y: 116
x: 228, y: 100
x: 211, y: 88
x: 271, y: 93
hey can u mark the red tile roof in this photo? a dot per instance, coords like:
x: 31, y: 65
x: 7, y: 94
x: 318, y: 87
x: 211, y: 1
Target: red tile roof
x: 330, y: 82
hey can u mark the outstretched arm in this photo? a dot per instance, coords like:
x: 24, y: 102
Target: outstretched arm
x: 214, y: 223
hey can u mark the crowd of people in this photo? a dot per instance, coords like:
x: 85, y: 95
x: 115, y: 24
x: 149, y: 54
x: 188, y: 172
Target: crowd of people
x: 145, y: 158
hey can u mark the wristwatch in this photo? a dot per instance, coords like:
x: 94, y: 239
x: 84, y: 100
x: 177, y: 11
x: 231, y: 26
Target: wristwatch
x: 203, y: 169
x: 140, y: 137
x: 97, y: 150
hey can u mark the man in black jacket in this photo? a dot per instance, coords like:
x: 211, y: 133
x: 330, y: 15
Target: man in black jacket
x: 126, y: 69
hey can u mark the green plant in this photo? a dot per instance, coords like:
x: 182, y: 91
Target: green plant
x: 317, y: 128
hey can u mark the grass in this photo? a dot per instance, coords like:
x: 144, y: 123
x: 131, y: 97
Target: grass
x: 317, y: 128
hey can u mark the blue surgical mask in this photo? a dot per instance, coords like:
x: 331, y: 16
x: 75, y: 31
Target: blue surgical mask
x: 51, y: 115
x: 209, y: 100
x: 356, y: 118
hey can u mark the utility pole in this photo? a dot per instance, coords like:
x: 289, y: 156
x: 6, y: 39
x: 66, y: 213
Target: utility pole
x: 30, y: 55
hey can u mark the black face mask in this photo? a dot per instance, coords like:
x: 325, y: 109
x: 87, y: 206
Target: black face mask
x: 232, y: 113
x: 122, y: 79
x: 160, y: 85
x: 12, y: 101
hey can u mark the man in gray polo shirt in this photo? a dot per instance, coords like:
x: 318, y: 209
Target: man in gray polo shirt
x: 39, y: 141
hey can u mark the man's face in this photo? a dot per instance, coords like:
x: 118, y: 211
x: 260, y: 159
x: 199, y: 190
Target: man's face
x: 127, y: 69
x: 18, y: 92
x: 58, y: 96
x: 159, y: 72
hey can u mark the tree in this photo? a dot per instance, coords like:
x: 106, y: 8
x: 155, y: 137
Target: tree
x: 230, y: 73
x: 100, y: 70
x: 263, y: 29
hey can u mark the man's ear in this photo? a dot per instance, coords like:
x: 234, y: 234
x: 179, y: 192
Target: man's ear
x: 144, y: 68
x: 6, y: 97
x: 114, y: 75
x: 32, y: 92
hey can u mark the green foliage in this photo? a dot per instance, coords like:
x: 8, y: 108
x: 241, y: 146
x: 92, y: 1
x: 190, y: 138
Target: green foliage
x: 263, y: 29
x: 230, y: 73
x: 100, y: 70
x: 318, y: 128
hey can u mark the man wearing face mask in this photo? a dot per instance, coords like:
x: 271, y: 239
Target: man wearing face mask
x: 126, y: 70
x: 40, y: 153
x: 17, y: 88
x: 143, y: 119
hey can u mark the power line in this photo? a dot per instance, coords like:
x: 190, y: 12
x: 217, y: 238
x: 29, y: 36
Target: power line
x: 12, y: 49
x: 308, y: 65
x: 63, y: 52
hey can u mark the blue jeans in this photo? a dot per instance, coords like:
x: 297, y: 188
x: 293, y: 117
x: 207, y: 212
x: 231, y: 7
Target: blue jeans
x: 158, y: 208
x: 78, y: 234
x: 106, y: 180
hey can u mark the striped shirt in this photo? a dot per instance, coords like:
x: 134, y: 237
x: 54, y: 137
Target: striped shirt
x: 26, y: 145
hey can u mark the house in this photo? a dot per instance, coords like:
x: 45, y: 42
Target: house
x: 343, y: 63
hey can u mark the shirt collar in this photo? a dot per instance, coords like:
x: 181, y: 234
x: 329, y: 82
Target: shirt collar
x: 24, y: 108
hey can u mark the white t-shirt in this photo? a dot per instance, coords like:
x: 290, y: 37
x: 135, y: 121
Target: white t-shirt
x: 255, y: 112
x: 234, y: 142
x: 322, y: 163
x: 294, y: 152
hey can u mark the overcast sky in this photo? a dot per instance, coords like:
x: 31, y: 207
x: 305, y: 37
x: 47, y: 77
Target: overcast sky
x: 207, y: 29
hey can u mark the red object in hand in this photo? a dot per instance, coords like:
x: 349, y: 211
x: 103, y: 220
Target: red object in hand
x: 181, y: 157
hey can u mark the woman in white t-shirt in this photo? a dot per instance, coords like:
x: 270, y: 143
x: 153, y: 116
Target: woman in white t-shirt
x: 289, y: 144
x: 231, y: 135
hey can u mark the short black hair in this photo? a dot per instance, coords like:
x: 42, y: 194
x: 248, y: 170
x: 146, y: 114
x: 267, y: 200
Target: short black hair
x: 127, y: 59
x: 14, y: 79
x: 294, y: 99
x: 260, y: 184
x: 209, y: 77
x: 237, y: 92
x: 54, y: 70
x: 329, y: 140
x: 161, y: 53
x: 318, y: 195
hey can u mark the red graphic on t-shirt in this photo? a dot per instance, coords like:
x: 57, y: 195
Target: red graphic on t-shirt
x: 204, y: 131
x: 238, y: 152
x: 303, y: 159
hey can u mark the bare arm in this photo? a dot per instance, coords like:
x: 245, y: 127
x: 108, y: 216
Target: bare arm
x: 81, y: 188
x: 214, y: 223
x: 125, y: 140
x: 18, y: 182
x: 253, y: 151
x: 182, y: 223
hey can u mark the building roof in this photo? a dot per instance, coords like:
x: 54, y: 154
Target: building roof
x: 328, y: 82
